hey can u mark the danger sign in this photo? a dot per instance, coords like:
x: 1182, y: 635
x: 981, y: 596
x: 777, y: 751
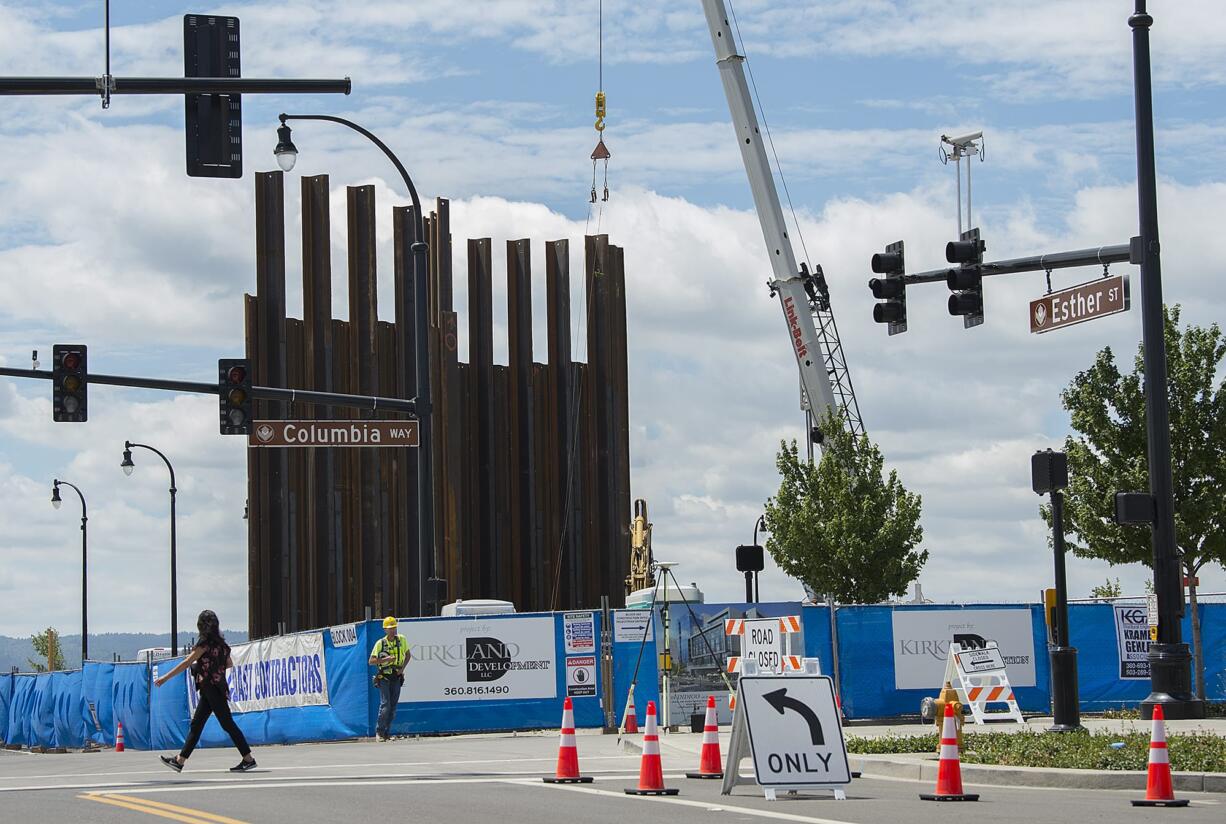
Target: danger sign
x: 580, y: 675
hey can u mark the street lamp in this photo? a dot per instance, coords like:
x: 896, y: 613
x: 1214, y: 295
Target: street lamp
x: 287, y: 155
x: 55, y: 502
x: 127, y: 467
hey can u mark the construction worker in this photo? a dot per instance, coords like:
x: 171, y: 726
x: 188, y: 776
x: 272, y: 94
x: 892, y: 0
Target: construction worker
x: 390, y: 654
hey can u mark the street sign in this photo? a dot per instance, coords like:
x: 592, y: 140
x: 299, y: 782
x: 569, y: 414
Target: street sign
x: 333, y: 433
x: 1151, y: 610
x: 794, y: 731
x: 1077, y: 304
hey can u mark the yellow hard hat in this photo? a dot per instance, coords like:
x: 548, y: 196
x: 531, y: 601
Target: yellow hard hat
x: 389, y: 622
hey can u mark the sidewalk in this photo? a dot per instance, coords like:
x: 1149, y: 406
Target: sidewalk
x: 681, y: 751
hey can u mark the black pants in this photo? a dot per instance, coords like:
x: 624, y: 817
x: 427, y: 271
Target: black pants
x: 213, y: 702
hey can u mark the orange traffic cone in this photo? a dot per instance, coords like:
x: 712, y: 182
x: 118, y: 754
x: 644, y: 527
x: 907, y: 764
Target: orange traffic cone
x: 632, y: 715
x: 710, y: 764
x: 1158, y: 789
x: 949, y: 771
x: 119, y: 738
x: 651, y: 770
x: 568, y: 754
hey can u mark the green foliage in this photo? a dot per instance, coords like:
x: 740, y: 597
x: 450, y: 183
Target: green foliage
x: 1194, y: 752
x: 48, y: 647
x: 1108, y: 455
x: 1108, y: 590
x: 840, y: 526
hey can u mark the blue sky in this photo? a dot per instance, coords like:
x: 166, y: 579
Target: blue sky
x: 490, y: 104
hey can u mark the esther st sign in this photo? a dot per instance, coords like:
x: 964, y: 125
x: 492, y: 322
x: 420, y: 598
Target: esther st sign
x: 333, y: 433
x: 1087, y: 301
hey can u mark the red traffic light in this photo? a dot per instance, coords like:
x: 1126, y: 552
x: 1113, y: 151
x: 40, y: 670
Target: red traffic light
x: 72, y: 360
x: 237, y: 374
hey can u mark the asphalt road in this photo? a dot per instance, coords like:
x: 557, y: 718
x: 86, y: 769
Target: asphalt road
x: 488, y: 779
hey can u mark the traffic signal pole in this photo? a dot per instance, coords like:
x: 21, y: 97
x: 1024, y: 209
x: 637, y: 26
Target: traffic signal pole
x: 1170, y: 662
x: 267, y: 393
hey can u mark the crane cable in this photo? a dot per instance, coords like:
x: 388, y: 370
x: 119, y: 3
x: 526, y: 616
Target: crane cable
x: 601, y: 152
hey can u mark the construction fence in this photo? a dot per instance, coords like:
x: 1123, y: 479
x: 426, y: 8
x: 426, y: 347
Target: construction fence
x: 512, y: 672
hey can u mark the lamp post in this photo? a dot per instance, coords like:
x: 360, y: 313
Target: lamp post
x: 55, y: 502
x: 127, y: 467
x: 287, y: 154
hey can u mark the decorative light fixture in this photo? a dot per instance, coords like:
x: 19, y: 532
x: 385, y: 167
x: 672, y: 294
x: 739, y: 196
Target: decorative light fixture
x: 55, y: 495
x: 127, y: 464
x: 286, y: 152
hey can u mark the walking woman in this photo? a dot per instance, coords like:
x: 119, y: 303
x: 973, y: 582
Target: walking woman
x: 209, y: 660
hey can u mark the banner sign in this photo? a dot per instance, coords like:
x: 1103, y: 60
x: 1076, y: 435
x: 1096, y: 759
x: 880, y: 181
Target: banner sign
x: 286, y: 671
x: 580, y: 675
x: 630, y: 624
x: 922, y: 638
x: 579, y: 630
x: 345, y: 635
x: 472, y: 660
x: 1132, y: 638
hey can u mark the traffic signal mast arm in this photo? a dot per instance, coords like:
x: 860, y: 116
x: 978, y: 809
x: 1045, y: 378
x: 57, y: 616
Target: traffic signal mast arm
x: 169, y: 85
x: 265, y: 393
x: 1101, y: 255
x: 788, y: 282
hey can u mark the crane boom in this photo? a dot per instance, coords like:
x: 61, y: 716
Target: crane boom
x: 817, y: 363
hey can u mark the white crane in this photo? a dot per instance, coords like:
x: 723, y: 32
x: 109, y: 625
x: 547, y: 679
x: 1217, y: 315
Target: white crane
x: 825, y: 381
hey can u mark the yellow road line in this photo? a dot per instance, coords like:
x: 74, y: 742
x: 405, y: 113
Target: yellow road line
x: 160, y: 808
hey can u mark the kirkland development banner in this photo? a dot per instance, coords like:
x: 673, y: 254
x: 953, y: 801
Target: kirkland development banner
x: 922, y: 638
x: 285, y: 671
x: 474, y: 659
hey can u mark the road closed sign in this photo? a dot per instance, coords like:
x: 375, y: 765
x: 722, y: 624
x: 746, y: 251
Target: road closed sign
x: 763, y: 643
x: 794, y: 731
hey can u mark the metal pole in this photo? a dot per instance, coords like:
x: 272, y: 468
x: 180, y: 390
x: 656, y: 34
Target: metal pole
x: 84, y: 587
x: 748, y: 587
x: 1170, y: 661
x: 1066, y: 710
x: 958, y: 167
x: 174, y: 575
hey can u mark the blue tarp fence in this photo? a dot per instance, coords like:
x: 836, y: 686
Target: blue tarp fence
x: 68, y: 709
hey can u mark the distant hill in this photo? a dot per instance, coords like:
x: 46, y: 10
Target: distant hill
x: 15, y: 652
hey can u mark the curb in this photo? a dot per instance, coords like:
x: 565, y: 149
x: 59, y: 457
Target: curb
x: 994, y: 775
x: 914, y: 769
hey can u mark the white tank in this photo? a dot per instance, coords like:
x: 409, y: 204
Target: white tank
x: 641, y: 599
x: 478, y: 606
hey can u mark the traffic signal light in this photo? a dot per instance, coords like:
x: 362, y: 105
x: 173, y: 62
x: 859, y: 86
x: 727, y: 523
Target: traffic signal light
x: 891, y: 289
x: 966, y: 282
x: 234, y: 395
x: 70, y: 383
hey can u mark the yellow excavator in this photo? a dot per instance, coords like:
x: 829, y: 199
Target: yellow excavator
x: 641, y: 559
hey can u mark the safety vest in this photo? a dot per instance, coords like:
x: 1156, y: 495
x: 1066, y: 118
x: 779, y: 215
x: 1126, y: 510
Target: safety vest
x: 397, y: 649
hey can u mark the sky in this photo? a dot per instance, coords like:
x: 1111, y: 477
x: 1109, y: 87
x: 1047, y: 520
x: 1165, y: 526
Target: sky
x: 106, y: 241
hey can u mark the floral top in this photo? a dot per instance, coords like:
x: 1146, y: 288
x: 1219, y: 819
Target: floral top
x: 210, y: 667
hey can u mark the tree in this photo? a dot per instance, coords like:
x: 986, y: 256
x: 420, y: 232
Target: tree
x: 47, y: 646
x: 1109, y: 455
x: 1107, y: 591
x: 840, y: 527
